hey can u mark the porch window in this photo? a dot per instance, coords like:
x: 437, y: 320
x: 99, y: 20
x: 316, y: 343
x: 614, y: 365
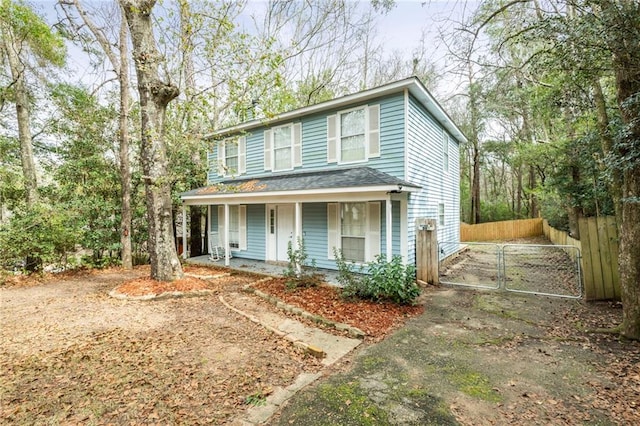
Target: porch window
x: 237, y: 226
x: 234, y: 227
x: 354, y: 228
x: 352, y: 136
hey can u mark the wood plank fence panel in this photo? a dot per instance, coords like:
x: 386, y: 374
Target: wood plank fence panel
x: 613, y: 249
x: 504, y: 230
x: 605, y: 259
x: 598, y: 245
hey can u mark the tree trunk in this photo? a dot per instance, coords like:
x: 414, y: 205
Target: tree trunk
x: 23, y: 116
x: 123, y: 135
x: 155, y: 95
x: 606, y: 142
x: 626, y: 63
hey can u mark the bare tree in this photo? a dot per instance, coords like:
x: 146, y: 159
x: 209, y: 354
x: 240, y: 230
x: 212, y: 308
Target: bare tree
x: 118, y: 56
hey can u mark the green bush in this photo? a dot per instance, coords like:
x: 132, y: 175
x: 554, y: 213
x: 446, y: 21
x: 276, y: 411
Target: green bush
x: 37, y: 237
x: 386, y: 280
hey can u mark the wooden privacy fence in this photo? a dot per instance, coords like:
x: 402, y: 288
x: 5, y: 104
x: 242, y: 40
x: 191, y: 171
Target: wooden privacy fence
x: 599, y: 246
x: 505, y: 230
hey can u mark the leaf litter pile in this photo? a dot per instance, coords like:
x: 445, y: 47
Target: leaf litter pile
x: 375, y: 319
x: 73, y: 355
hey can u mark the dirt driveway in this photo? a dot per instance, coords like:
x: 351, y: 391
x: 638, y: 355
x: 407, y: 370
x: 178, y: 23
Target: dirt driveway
x: 485, y: 358
x: 70, y: 354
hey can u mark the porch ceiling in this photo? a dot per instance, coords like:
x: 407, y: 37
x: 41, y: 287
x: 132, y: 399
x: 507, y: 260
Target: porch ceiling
x: 324, y: 184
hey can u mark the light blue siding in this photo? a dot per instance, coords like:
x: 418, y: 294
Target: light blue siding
x: 314, y: 230
x: 256, y: 233
x: 425, y: 162
x: 314, y: 143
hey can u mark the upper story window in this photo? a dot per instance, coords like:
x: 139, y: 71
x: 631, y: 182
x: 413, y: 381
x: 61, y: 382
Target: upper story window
x: 232, y: 159
x: 283, y: 147
x: 445, y: 151
x: 353, y: 135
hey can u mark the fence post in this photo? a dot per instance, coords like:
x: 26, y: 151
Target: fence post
x: 426, y: 251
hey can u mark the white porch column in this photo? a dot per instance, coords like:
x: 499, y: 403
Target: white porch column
x: 226, y: 235
x: 298, y: 224
x: 208, y: 228
x: 298, y: 230
x: 184, y: 231
x: 389, y: 221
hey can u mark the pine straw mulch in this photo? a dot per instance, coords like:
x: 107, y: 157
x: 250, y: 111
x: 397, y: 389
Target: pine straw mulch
x: 376, y: 319
x: 373, y: 318
x: 197, y: 279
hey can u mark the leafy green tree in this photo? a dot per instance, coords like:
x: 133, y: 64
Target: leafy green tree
x: 87, y: 179
x: 27, y: 42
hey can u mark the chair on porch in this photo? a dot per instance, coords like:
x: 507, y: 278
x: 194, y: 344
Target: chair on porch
x: 216, y: 249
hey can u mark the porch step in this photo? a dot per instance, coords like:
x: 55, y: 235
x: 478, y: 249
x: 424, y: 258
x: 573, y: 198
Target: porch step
x: 315, y: 341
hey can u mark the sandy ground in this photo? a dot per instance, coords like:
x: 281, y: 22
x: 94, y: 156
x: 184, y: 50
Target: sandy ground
x: 71, y: 354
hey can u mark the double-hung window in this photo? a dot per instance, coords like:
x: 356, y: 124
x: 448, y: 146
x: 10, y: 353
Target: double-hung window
x: 283, y: 147
x: 353, y: 230
x: 353, y: 135
x: 441, y: 214
x: 237, y: 226
x: 232, y: 156
x: 445, y: 151
x: 234, y: 227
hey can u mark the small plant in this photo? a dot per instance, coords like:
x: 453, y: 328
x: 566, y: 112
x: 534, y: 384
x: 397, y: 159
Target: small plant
x: 392, y: 281
x: 352, y: 281
x: 298, y: 272
x: 256, y: 399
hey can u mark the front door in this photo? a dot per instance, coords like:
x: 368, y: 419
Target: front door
x: 280, y: 228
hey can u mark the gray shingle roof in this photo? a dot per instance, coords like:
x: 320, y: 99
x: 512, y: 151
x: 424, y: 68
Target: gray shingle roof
x: 296, y: 181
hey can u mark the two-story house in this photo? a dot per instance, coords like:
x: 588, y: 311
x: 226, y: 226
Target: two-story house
x: 352, y: 173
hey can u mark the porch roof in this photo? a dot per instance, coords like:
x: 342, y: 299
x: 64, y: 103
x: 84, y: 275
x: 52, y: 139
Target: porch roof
x: 356, y: 179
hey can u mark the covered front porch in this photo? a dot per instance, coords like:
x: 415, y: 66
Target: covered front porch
x: 257, y: 267
x: 361, y: 211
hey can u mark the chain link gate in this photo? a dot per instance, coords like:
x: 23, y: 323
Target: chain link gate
x: 523, y: 268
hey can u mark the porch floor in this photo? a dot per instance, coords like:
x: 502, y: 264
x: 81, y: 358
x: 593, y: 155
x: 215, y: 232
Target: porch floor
x: 258, y: 266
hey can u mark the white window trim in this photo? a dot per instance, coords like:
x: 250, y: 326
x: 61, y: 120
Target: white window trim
x: 242, y: 226
x: 223, y: 170
x: 442, y: 214
x: 273, y: 147
x: 334, y: 137
x: 339, y: 135
x: 372, y: 234
x: 445, y: 151
x: 295, y: 147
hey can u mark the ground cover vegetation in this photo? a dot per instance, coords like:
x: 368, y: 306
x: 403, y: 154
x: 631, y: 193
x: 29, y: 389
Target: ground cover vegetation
x: 548, y: 98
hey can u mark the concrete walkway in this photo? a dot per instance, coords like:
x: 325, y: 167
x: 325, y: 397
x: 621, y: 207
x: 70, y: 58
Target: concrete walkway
x: 316, y: 342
